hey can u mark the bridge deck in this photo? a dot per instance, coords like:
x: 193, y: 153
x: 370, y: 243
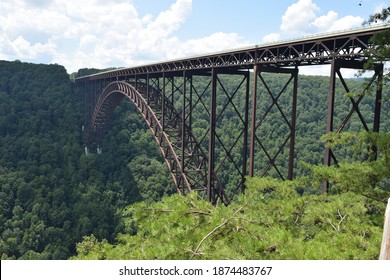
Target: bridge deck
x: 311, y: 50
x: 169, y: 97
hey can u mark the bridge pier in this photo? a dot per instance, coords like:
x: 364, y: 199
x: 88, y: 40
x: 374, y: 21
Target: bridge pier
x: 213, y: 103
x: 162, y: 93
x: 336, y: 75
x: 201, y: 153
x: 257, y: 122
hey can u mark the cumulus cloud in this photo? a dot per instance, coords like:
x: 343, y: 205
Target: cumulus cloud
x: 272, y: 37
x: 212, y: 43
x: 304, y: 17
x: 106, y: 33
x: 322, y: 22
x: 97, y: 33
x: 298, y: 16
x: 346, y: 22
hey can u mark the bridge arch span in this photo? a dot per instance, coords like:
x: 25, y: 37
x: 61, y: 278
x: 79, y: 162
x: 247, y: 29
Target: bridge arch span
x: 246, y: 154
x: 187, y: 164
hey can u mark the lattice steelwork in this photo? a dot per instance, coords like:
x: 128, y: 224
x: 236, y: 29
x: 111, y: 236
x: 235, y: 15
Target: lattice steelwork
x: 286, y: 125
x: 375, y: 80
x: 186, y: 104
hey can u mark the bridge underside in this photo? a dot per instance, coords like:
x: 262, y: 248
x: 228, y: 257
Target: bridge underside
x: 188, y: 106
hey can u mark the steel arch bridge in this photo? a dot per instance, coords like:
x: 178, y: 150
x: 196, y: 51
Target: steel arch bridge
x: 170, y: 96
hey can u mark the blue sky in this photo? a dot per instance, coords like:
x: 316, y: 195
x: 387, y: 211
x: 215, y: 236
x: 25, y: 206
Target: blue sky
x: 117, y: 33
x: 251, y: 19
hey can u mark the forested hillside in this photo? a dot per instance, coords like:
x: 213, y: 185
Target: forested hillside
x: 52, y: 195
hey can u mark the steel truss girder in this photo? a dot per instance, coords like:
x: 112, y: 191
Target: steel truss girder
x: 156, y: 87
x: 233, y: 153
x: 377, y: 79
x: 192, y: 97
x: 315, y: 50
x: 257, y: 122
x: 107, y: 103
x: 191, y: 167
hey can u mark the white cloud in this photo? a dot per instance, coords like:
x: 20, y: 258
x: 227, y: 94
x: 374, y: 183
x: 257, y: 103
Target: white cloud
x: 168, y: 21
x: 105, y: 33
x: 298, y: 16
x: 213, y: 43
x: 97, y: 33
x: 322, y: 22
x: 331, y: 22
x: 303, y: 18
x: 272, y: 37
x: 24, y: 49
x: 346, y: 22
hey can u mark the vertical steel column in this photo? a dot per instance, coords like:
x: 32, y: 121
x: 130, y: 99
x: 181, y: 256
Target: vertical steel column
x: 158, y: 88
x: 93, y: 94
x: 86, y: 116
x: 290, y: 175
x: 163, y: 103
x: 190, y: 106
x: 90, y: 96
x: 253, y: 124
x: 378, y: 98
x: 95, y: 99
x: 213, y: 104
x: 97, y: 91
x: 90, y: 113
x: 378, y: 104
x: 331, y: 98
x: 246, y: 125
x: 101, y: 86
x: 183, y: 126
x: 147, y: 89
x: 329, y: 123
x: 173, y: 91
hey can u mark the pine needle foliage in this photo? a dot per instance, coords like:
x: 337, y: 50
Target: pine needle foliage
x: 270, y: 221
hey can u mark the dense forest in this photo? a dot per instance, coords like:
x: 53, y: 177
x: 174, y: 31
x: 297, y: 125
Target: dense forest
x: 51, y: 193
x: 57, y: 202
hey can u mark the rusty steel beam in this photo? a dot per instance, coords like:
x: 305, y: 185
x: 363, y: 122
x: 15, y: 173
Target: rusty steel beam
x: 197, y: 163
x: 211, y: 159
x: 314, y: 50
x: 291, y: 157
x: 253, y: 124
x: 246, y: 136
x: 183, y: 125
x: 337, y: 65
x: 231, y: 151
x: 378, y: 97
x: 257, y: 122
x: 187, y: 162
x: 330, y: 114
x: 117, y: 90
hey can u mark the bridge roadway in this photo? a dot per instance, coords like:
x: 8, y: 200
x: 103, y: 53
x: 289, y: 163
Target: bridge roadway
x: 171, y: 95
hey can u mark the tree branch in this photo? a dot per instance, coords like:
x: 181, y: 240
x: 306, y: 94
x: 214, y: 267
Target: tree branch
x: 198, y: 212
x: 214, y: 230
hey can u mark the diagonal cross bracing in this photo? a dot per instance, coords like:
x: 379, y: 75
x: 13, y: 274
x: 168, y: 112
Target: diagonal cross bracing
x: 167, y: 97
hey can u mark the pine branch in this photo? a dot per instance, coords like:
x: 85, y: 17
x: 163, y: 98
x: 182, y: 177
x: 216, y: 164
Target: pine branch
x: 198, y: 212
x: 214, y: 230
x: 205, y: 237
